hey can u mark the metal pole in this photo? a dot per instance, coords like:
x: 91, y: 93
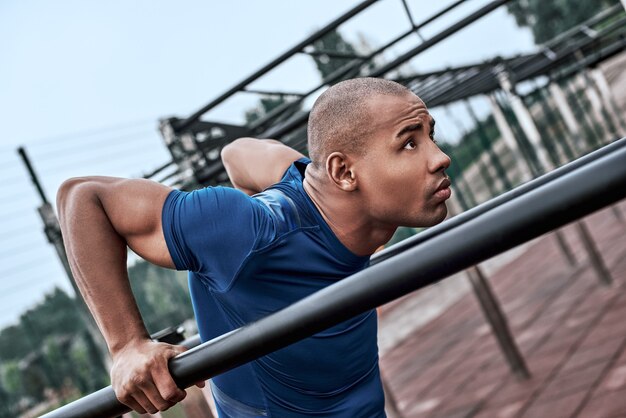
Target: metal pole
x: 596, y: 103
x: 509, y: 138
x: 493, y: 313
x: 592, y: 136
x: 495, y: 317
x: 553, y: 124
x: 573, y: 129
x: 566, y: 111
x: 594, y: 256
x: 532, y: 133
x: 482, y: 134
x: 609, y: 100
x: 552, y: 205
x: 524, y: 117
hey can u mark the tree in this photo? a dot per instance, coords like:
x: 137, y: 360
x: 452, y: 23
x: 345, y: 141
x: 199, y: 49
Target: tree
x: 333, y: 41
x: 161, y: 295
x: 326, y: 64
x: 265, y: 106
x: 548, y: 19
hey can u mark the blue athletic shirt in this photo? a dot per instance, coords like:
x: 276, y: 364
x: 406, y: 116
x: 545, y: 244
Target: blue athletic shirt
x: 251, y: 256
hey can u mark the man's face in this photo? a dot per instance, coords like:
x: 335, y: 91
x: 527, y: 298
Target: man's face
x: 401, y: 176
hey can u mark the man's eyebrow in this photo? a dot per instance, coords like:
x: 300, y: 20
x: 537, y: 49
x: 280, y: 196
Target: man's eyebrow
x: 415, y: 127
x: 409, y: 128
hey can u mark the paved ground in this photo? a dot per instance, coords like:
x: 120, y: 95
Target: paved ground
x: 570, y: 329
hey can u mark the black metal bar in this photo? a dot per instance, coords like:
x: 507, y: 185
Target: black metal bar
x: 591, y: 248
x: 350, y: 68
x: 553, y: 204
x: 408, y: 13
x: 31, y: 173
x: 326, y: 29
x: 439, y: 37
x: 158, y: 170
x: 332, y: 54
x: 333, y: 77
x: 271, y: 93
x: 497, y: 201
x: 492, y: 310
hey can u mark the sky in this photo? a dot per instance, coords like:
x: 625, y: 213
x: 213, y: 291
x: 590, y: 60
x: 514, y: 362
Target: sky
x: 84, y: 83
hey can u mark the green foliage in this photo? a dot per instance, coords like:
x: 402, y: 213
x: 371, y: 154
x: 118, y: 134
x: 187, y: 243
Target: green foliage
x: 401, y: 234
x: 326, y: 64
x: 51, y: 349
x: 265, y: 106
x: 469, y: 149
x: 331, y: 42
x: 161, y: 294
x: 548, y: 19
x: 57, y: 314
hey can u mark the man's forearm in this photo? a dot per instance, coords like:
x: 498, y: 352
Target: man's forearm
x: 97, y: 256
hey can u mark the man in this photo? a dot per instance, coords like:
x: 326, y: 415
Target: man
x: 374, y: 166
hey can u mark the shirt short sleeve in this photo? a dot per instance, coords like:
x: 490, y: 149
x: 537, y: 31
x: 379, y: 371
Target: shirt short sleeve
x: 211, y: 231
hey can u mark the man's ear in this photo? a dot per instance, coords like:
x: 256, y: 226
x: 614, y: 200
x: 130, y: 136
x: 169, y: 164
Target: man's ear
x: 341, y: 172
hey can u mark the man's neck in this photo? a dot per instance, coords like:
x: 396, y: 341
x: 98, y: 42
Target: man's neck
x: 345, y: 216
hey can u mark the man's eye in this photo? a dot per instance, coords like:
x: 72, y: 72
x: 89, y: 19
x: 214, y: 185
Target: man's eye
x: 410, y: 144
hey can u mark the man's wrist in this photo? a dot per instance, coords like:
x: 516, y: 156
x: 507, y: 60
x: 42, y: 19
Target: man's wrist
x: 118, y: 346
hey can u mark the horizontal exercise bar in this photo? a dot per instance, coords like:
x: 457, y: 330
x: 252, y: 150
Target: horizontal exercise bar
x: 496, y: 201
x: 573, y: 195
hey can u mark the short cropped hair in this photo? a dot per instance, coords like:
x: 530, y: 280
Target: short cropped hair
x: 339, y: 119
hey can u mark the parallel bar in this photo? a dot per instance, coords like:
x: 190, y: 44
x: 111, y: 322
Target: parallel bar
x: 496, y: 202
x: 551, y: 205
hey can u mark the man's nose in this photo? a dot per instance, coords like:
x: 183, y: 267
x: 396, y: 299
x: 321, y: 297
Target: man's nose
x: 440, y: 162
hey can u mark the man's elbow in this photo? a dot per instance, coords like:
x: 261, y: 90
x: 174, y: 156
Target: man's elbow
x: 68, y: 190
x: 232, y: 151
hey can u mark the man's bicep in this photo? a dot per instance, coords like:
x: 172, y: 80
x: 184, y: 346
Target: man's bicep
x: 134, y: 208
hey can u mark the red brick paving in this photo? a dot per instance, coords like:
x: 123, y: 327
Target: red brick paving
x: 570, y: 329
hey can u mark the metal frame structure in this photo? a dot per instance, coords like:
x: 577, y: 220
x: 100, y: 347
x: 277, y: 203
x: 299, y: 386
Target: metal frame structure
x: 195, y: 143
x: 554, y: 200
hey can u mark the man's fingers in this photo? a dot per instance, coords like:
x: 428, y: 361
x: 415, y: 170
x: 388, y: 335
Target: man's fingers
x: 201, y: 384
x: 166, y: 386
x: 132, y: 404
x: 142, y: 400
x: 154, y: 397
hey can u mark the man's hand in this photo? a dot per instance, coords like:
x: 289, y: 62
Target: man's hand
x: 141, y: 379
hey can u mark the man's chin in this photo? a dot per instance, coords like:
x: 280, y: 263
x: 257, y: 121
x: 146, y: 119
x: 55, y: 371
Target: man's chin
x: 436, y: 218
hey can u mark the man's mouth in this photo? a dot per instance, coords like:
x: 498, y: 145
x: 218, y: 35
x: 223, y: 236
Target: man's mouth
x: 443, y: 192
